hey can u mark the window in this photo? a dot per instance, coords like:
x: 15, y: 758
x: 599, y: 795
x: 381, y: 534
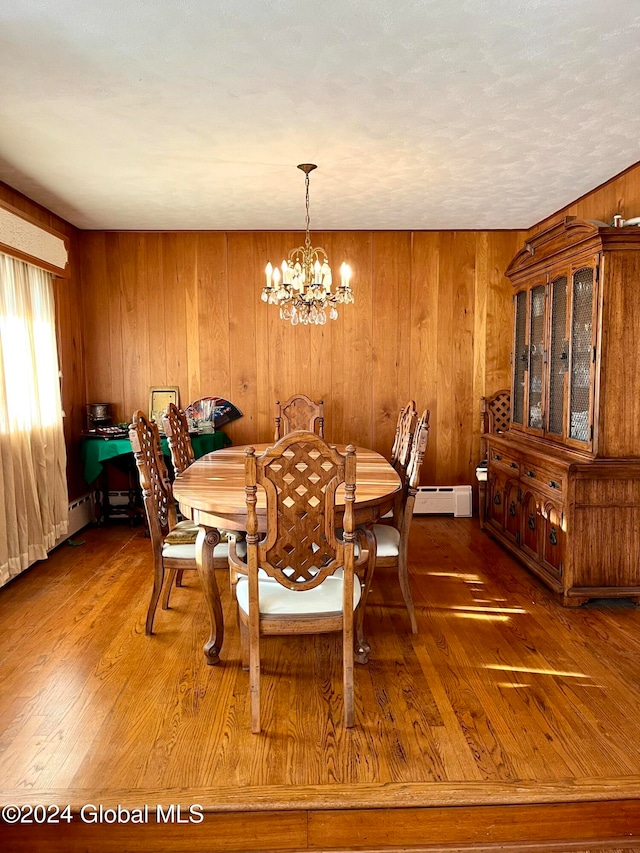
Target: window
x: 33, y: 487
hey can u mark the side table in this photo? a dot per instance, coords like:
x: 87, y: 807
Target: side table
x: 97, y: 452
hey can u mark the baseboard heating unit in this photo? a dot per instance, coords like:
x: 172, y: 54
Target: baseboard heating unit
x: 443, y: 500
x: 80, y: 514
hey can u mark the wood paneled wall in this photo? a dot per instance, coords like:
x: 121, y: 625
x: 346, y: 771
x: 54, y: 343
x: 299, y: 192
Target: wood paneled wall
x: 69, y: 333
x: 620, y: 194
x: 431, y: 322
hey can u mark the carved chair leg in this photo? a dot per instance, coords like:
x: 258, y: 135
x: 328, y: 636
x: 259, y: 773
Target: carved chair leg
x: 158, y: 578
x: 179, y: 576
x: 233, y: 580
x: 482, y: 502
x: 171, y: 574
x: 362, y: 647
x: 347, y: 659
x: 244, y: 644
x: 403, y: 577
x: 254, y: 681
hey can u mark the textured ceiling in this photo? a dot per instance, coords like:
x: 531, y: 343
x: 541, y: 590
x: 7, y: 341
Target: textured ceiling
x: 161, y: 114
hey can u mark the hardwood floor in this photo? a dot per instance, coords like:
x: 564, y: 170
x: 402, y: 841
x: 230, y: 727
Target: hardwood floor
x: 507, y: 723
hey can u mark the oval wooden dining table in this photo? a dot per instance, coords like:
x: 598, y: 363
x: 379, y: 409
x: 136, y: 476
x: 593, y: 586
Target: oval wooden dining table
x: 211, y: 492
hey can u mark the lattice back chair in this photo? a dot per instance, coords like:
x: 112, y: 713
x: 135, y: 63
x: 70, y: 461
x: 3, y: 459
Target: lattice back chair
x: 172, y: 542
x: 176, y: 428
x: 299, y: 412
x: 495, y: 416
x: 405, y: 427
x: 392, y: 540
x: 306, y: 581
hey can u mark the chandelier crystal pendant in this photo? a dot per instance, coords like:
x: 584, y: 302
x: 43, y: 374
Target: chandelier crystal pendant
x: 301, y: 286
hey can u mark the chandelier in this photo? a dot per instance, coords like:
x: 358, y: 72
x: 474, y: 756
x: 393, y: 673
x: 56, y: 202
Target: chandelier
x: 301, y: 287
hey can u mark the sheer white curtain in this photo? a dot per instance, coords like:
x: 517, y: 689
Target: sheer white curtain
x: 33, y: 482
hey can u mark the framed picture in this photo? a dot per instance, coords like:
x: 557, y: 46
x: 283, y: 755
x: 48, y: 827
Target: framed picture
x: 159, y: 399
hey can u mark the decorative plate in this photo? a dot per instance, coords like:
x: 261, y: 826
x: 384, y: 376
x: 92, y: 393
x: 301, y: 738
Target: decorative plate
x: 215, y: 410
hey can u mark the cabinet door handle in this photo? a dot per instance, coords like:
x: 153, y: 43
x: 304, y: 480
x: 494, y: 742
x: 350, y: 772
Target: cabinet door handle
x: 513, y: 464
x: 531, y: 474
x: 497, y: 457
x: 553, y: 484
x: 512, y: 508
x: 532, y: 522
x: 496, y: 498
x: 553, y: 537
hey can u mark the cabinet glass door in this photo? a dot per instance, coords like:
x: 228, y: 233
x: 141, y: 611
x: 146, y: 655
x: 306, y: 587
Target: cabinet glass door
x: 558, y: 356
x: 536, y: 357
x: 519, y: 358
x: 581, y: 353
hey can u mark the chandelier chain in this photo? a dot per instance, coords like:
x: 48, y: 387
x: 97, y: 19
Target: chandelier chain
x: 307, y: 239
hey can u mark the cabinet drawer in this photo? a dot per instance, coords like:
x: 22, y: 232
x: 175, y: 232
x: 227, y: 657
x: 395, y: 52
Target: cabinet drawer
x: 544, y: 478
x: 504, y: 462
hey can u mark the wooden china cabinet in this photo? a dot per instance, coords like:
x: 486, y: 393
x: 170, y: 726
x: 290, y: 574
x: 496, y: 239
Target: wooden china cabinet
x: 563, y: 483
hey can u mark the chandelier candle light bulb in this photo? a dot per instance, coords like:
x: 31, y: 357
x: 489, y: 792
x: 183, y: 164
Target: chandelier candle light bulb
x: 305, y: 295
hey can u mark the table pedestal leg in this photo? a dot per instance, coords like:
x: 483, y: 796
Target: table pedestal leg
x: 207, y: 540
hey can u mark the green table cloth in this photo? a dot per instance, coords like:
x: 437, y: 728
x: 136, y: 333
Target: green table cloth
x: 94, y: 452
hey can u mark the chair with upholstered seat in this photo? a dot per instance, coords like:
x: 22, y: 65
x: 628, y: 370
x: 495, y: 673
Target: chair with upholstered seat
x: 172, y: 542
x: 495, y: 417
x: 176, y: 429
x: 299, y: 577
x: 405, y: 427
x: 392, y: 540
x: 299, y: 412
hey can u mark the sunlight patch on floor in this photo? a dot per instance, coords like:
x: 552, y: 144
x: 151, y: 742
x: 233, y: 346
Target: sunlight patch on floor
x: 478, y: 609
x: 484, y: 617
x: 459, y: 575
x: 535, y: 671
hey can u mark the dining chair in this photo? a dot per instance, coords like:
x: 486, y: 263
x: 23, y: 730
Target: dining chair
x: 299, y: 577
x: 176, y: 429
x: 495, y: 416
x: 299, y: 412
x: 405, y: 427
x: 172, y: 542
x: 392, y: 540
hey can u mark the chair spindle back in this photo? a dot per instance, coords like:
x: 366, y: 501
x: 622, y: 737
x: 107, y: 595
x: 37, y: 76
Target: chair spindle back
x: 176, y: 428
x: 299, y: 413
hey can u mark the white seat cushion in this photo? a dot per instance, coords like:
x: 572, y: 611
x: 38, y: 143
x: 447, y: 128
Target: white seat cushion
x: 387, y: 540
x: 187, y: 551
x: 277, y: 600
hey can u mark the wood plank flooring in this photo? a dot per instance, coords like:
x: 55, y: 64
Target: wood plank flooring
x: 508, y: 720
